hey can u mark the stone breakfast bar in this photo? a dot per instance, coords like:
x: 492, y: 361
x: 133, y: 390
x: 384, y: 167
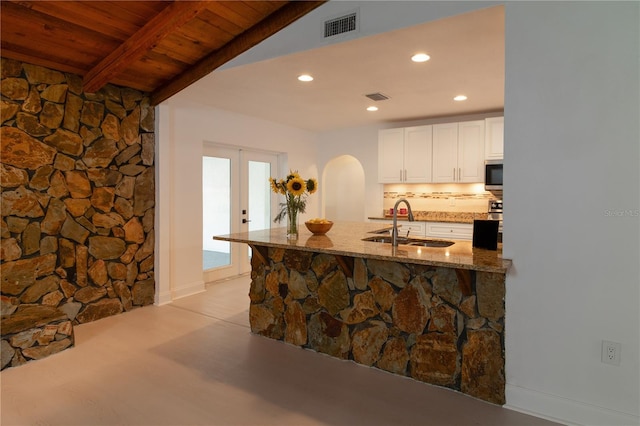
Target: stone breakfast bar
x: 433, y: 314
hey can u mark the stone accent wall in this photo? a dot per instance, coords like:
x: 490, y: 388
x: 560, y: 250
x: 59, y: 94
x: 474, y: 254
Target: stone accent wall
x: 439, y: 325
x: 34, y: 332
x: 78, y: 195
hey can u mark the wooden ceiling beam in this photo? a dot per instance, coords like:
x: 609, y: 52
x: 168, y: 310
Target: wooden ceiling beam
x: 243, y: 42
x: 169, y: 19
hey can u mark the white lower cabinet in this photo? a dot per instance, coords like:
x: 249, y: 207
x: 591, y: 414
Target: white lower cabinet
x: 456, y: 231
x: 415, y: 228
x: 444, y: 230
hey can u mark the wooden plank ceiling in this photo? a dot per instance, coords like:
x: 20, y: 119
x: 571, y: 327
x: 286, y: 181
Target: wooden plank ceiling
x: 159, y: 47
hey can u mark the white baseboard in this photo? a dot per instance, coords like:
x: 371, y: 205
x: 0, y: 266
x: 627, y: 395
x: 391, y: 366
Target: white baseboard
x: 163, y: 298
x: 564, y: 410
x: 187, y: 290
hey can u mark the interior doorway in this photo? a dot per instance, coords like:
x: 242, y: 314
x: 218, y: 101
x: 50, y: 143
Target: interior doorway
x: 236, y: 197
x: 340, y: 204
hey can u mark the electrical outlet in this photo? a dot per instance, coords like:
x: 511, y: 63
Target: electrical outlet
x: 611, y: 352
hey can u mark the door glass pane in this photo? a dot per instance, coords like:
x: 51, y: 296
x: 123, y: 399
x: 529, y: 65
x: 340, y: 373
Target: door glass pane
x: 216, y: 206
x: 259, y: 195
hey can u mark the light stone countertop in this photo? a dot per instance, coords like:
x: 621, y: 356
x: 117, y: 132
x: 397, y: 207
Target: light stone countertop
x: 438, y: 216
x: 345, y: 239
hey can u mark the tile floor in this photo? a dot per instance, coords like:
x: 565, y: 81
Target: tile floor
x: 195, y: 362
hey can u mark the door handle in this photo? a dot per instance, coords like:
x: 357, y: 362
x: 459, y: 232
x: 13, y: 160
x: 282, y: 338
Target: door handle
x: 245, y: 221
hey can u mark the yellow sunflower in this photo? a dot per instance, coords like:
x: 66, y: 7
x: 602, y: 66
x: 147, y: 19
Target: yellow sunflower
x: 282, y: 187
x: 292, y: 175
x: 312, y: 185
x: 274, y: 185
x: 296, y: 186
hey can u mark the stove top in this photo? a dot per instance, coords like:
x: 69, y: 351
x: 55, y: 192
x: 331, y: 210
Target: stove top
x: 495, y: 213
x: 495, y: 206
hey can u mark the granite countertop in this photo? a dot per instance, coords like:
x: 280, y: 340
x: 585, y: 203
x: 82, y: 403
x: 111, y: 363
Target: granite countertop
x: 438, y: 216
x: 345, y: 239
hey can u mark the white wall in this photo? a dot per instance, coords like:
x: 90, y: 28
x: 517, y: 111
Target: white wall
x: 343, y: 183
x: 362, y: 144
x: 180, y: 145
x: 572, y: 142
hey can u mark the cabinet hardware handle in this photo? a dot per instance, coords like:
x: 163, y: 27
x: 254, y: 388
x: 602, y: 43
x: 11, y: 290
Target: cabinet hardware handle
x: 405, y: 175
x: 459, y: 173
x: 454, y: 174
x: 400, y: 175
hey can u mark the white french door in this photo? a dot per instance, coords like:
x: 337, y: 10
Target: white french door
x: 236, y: 197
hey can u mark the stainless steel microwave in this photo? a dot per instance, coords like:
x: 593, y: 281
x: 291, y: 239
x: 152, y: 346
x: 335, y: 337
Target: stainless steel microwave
x: 493, y: 175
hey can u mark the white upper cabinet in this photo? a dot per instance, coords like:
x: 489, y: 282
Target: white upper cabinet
x: 445, y: 152
x: 404, y: 155
x: 458, y: 152
x: 390, y: 155
x: 417, y: 154
x: 471, y: 151
x: 494, y: 138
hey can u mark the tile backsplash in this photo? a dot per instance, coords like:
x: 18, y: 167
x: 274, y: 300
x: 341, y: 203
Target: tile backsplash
x: 440, y: 197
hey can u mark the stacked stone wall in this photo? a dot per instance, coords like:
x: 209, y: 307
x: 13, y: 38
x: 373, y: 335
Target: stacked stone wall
x: 438, y: 325
x: 78, y: 195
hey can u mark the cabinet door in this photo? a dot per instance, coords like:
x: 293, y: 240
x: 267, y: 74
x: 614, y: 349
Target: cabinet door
x: 417, y: 154
x: 445, y: 152
x: 390, y: 155
x: 470, y: 151
x: 416, y: 228
x: 457, y: 231
x: 494, y: 138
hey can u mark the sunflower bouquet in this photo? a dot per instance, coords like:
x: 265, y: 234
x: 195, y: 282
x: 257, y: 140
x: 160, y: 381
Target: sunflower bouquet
x: 295, y: 189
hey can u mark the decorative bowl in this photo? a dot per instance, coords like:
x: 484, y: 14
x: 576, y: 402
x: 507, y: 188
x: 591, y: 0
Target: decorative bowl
x: 319, y: 228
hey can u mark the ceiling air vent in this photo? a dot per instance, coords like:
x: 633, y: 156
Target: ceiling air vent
x: 377, y: 96
x: 341, y: 25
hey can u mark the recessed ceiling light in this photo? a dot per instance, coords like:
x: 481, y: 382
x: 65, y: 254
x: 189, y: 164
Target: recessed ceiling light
x: 372, y: 108
x: 420, y: 57
x: 305, y: 77
x: 460, y: 98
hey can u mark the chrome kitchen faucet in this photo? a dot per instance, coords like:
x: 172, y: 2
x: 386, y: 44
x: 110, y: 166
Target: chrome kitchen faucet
x: 394, y: 230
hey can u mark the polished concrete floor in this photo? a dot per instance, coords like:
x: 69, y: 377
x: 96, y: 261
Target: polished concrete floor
x: 195, y: 362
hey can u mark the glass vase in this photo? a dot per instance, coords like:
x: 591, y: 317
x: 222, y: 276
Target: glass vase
x: 292, y: 224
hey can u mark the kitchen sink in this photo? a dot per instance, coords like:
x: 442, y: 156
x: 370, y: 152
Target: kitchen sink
x: 381, y: 231
x: 410, y: 241
x: 378, y: 239
x: 430, y: 243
